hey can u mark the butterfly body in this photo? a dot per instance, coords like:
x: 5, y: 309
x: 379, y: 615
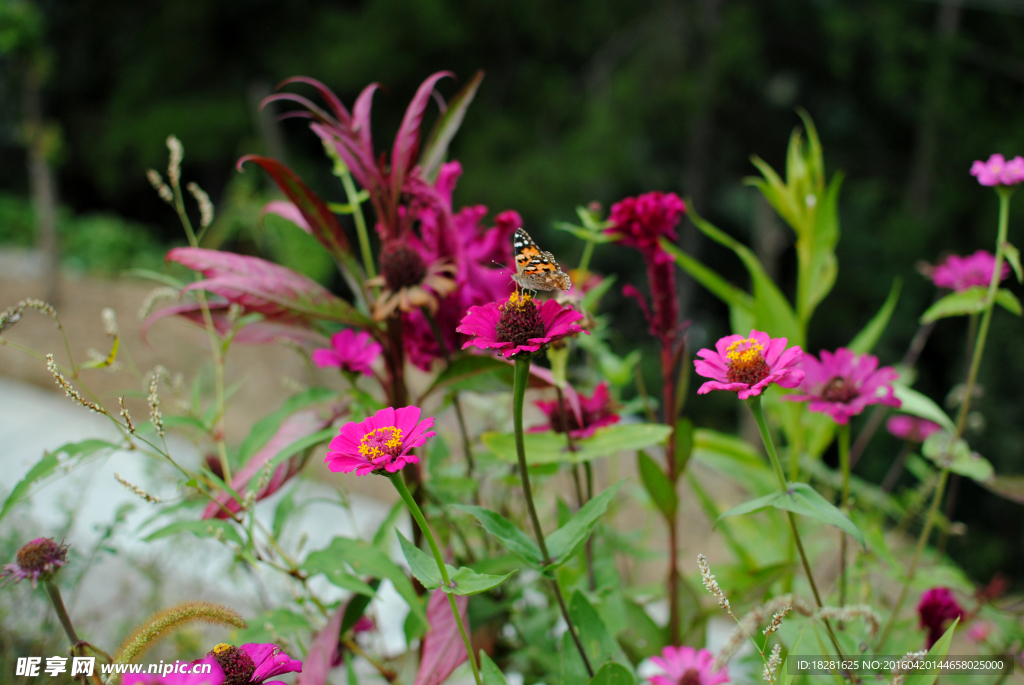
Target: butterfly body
x: 536, y: 269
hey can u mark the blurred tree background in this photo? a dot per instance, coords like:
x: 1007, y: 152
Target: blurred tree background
x: 582, y: 100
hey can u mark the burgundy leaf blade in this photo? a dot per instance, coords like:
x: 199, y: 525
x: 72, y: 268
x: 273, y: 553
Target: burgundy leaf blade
x: 443, y: 649
x: 403, y: 154
x: 322, y: 652
x: 265, y: 332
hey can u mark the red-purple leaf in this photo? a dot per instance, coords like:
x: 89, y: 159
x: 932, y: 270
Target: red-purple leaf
x: 264, y: 287
x: 322, y: 652
x: 443, y: 649
x: 326, y: 93
x: 361, y: 117
x: 314, y: 112
x: 265, y: 332
x: 446, y: 127
x: 295, y: 427
x: 567, y: 390
x: 407, y: 142
x: 323, y: 224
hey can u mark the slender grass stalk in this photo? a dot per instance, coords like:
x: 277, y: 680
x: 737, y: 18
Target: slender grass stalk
x: 965, y: 407
x: 522, y: 375
x: 417, y: 514
x: 769, y: 445
x: 844, y: 466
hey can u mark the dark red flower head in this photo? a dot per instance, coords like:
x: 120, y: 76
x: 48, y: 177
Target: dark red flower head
x: 936, y: 608
x: 641, y: 221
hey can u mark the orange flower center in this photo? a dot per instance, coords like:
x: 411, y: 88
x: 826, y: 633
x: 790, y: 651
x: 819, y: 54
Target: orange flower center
x: 381, y: 444
x: 746, y: 365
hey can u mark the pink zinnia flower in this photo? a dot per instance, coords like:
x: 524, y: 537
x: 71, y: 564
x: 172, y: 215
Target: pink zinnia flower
x: 182, y: 674
x: 518, y: 326
x: 350, y: 351
x: 843, y: 383
x: 250, y: 664
x: 749, y: 365
x: 37, y: 560
x: 597, y: 410
x: 998, y: 172
x: 911, y: 427
x: 687, y: 666
x: 936, y: 608
x: 383, y: 441
x: 960, y: 273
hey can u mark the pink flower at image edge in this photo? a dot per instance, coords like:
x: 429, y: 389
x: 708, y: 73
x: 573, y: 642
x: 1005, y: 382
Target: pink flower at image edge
x: 689, y: 666
x: 349, y: 351
x: 748, y: 365
x: 911, y: 428
x: 999, y: 172
x: 960, y: 273
x: 382, y: 441
x: 843, y: 383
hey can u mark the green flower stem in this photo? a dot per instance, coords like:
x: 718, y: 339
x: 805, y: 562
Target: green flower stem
x: 467, y: 446
x: 588, y: 252
x: 53, y: 592
x: 519, y: 383
x: 769, y: 445
x: 965, y: 406
x: 360, y: 220
x: 417, y: 514
x: 844, y: 466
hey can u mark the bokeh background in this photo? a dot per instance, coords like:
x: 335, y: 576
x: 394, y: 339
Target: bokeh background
x: 583, y: 100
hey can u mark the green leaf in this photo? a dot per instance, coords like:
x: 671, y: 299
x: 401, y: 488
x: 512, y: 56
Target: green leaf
x: 598, y: 642
x: 957, y: 457
x: 301, y: 445
x: 284, y: 509
x: 489, y: 671
x: 939, y: 650
x: 201, y: 529
x: 1013, y: 257
x: 365, y: 560
x: 356, y: 608
x: 584, y: 234
x: 436, y: 147
x: 773, y: 313
x: 422, y: 565
x: 465, y: 368
x: 804, y: 500
x: 612, y: 674
x: 65, y: 455
x: 913, y: 402
x: 1009, y: 487
x: 469, y: 582
x: 564, y: 542
x: 658, y: 485
x: 279, y: 622
x: 515, y: 540
x: 707, y: 277
x: 551, y: 448
x: 594, y: 295
x: 866, y: 340
x: 268, y: 425
x: 787, y: 673
x: 751, y: 506
x: 970, y: 301
x: 684, y: 444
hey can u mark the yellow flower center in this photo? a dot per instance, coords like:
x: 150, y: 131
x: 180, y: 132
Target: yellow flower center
x: 518, y: 300
x: 746, y: 364
x: 381, y: 443
x: 221, y: 648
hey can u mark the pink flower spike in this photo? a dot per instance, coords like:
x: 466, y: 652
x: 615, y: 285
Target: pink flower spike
x: 960, y: 273
x: 998, y: 172
x: 598, y: 410
x: 641, y: 221
x: 843, y: 383
x: 936, y: 608
x: 687, y: 666
x: 748, y: 365
x: 383, y: 441
x: 911, y: 428
x: 519, y: 325
x: 349, y: 351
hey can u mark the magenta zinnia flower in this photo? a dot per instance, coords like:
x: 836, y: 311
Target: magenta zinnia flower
x: 960, y: 273
x: 998, y: 172
x: 749, y: 365
x: 843, y: 383
x: 250, y: 664
x: 182, y: 674
x: 687, y: 666
x: 597, y: 410
x: 936, y: 608
x: 518, y: 326
x: 37, y: 560
x: 350, y: 351
x: 383, y: 441
x: 911, y: 427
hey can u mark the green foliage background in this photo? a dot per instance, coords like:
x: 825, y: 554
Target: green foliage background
x: 582, y: 100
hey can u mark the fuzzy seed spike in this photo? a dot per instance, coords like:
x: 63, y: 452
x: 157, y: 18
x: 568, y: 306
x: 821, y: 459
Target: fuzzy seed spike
x: 172, y: 619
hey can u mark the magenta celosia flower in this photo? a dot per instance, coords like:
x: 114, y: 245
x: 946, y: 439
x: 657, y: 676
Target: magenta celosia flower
x: 748, y: 365
x: 843, y: 383
x: 936, y: 608
x: 998, y: 172
x: 383, y: 441
x: 911, y: 428
x: 349, y: 351
x: 518, y: 326
x: 687, y: 666
x: 597, y: 410
x: 960, y: 273
x: 38, y: 560
x: 250, y: 664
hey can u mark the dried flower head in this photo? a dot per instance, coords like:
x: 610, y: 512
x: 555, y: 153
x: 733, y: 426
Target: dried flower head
x: 12, y: 315
x: 156, y: 417
x: 109, y: 319
x: 164, y: 292
x: 776, y: 620
x: 174, y: 162
x: 162, y: 189
x: 205, y: 205
x: 773, y: 663
x: 69, y: 389
x: 152, y: 499
x: 712, y: 585
x: 38, y: 560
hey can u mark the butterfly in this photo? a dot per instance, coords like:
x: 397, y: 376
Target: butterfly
x: 536, y: 270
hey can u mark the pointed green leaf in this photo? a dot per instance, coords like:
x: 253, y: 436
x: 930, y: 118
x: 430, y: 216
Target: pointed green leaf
x: 707, y: 277
x: 597, y: 640
x: 489, y: 671
x: 1009, y: 302
x: 469, y: 582
x: 658, y: 486
x: 866, y: 340
x: 684, y: 444
x: 565, y: 541
x: 201, y: 529
x: 584, y: 234
x: 1009, y: 487
x: 46, y: 466
x: 265, y: 428
x: 1013, y: 257
x: 752, y: 506
x: 794, y: 651
x: 422, y: 565
x: 612, y: 674
x: 970, y: 301
x: 913, y: 402
x: 939, y: 650
x: 515, y: 540
x: 552, y: 448
x: 804, y: 500
x: 957, y: 457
